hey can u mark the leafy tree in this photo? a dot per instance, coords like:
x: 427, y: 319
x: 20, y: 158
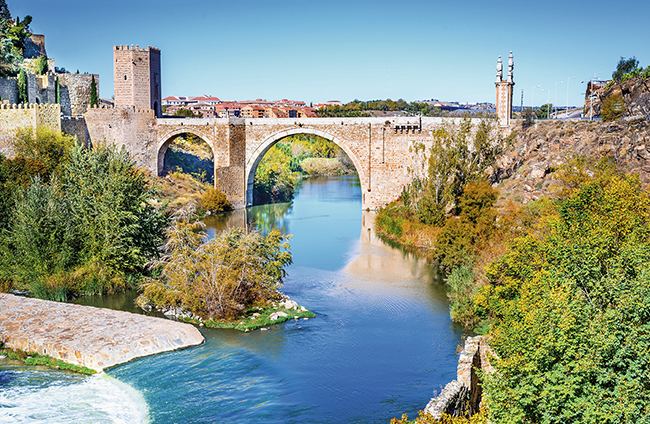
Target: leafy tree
x: 571, y: 306
x: 528, y: 115
x: 625, y: 66
x: 459, y: 155
x: 94, y: 98
x: 58, y: 91
x: 42, y: 65
x: 221, y: 277
x: 544, y: 112
x: 22, y: 87
x: 44, y: 145
x: 186, y: 113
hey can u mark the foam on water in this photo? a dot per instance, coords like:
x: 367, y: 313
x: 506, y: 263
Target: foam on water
x: 31, y: 395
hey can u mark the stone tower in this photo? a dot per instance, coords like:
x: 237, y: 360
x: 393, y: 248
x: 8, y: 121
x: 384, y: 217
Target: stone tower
x: 504, y: 91
x: 137, y: 77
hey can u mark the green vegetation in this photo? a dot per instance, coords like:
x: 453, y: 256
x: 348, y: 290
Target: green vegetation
x: 42, y: 66
x: 190, y: 155
x: 75, y: 221
x: 256, y: 317
x: 292, y: 158
x: 187, y: 113
x: 22, y: 87
x: 43, y: 360
x: 94, y: 97
x: 612, y: 108
x: 361, y: 108
x: 12, y: 41
x: 544, y: 112
x: 625, y: 66
x: 220, y: 278
x: 569, y: 305
x: 480, y: 418
x: 215, y: 201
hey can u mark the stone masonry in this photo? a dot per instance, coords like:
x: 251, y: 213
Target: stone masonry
x: 137, y: 78
x: 92, y: 337
x: 14, y: 117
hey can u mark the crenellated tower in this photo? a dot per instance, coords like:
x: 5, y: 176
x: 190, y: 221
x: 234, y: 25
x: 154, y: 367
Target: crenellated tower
x: 504, y: 91
x: 137, y: 78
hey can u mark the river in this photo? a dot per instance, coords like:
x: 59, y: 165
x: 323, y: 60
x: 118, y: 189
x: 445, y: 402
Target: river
x: 380, y: 345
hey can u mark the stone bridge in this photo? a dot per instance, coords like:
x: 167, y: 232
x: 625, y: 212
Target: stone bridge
x: 382, y: 149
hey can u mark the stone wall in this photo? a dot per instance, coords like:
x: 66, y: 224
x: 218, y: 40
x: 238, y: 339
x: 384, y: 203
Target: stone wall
x: 9, y: 90
x: 463, y: 396
x: 75, y: 92
x: 77, y: 127
x: 14, y: 117
x: 34, y: 46
x: 135, y: 129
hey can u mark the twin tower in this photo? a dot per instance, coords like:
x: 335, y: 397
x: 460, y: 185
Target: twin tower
x: 136, y: 76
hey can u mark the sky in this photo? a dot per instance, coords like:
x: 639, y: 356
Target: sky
x: 344, y: 50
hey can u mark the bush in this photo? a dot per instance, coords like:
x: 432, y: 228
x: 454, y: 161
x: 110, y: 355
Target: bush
x: 219, y: 278
x: 42, y: 65
x: 613, y: 108
x: 45, y: 145
x: 214, y: 200
x: 571, y: 310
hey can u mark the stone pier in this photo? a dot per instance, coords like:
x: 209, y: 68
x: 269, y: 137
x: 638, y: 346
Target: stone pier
x: 96, y: 338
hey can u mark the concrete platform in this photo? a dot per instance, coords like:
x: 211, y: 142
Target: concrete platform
x: 96, y: 338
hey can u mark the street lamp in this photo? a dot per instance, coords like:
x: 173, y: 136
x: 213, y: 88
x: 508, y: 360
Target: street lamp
x: 555, y: 101
x: 533, y: 94
x: 567, y: 96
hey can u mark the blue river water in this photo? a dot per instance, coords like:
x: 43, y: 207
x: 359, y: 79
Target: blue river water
x: 381, y: 344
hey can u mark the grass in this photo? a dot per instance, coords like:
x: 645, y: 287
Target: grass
x: 33, y: 358
x: 249, y: 321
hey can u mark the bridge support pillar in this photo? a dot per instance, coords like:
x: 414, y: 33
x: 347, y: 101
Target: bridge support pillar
x: 230, y: 171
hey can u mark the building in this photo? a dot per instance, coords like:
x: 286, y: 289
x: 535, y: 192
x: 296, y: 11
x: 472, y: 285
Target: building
x: 137, y: 78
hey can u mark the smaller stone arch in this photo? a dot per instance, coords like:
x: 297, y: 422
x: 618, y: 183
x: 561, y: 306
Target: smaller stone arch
x: 166, y: 138
x: 256, y: 157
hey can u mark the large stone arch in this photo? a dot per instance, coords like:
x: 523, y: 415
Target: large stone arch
x: 256, y: 157
x: 166, y: 138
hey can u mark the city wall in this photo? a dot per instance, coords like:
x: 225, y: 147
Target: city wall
x: 14, y: 117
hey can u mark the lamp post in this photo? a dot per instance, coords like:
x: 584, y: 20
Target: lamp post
x: 533, y: 94
x: 555, y: 101
x: 567, y: 96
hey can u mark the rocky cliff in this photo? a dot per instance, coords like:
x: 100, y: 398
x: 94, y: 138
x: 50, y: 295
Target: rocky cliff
x: 526, y: 171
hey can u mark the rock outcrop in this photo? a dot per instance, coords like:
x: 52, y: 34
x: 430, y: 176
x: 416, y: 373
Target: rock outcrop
x: 526, y: 171
x: 96, y: 338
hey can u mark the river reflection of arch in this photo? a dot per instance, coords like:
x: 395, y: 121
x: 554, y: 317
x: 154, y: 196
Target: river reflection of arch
x: 258, y: 154
x: 169, y: 139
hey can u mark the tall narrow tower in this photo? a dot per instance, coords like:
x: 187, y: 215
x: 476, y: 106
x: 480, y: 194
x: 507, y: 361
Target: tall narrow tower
x: 504, y: 91
x: 136, y: 75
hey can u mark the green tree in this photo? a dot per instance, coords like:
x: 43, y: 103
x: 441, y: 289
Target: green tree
x: 47, y: 146
x: 22, y: 87
x: 42, y: 65
x: 186, y: 113
x: 625, y: 66
x: 58, y: 91
x: 571, y: 306
x: 94, y: 98
x: 459, y: 155
x: 221, y: 277
x: 544, y: 112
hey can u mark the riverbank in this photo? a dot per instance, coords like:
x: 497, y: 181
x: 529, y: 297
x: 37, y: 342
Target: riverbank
x: 85, y: 336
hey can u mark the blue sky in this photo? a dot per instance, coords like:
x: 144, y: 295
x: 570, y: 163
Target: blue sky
x: 335, y: 49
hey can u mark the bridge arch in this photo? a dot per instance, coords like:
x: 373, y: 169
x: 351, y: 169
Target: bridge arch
x: 254, y: 159
x: 166, y: 138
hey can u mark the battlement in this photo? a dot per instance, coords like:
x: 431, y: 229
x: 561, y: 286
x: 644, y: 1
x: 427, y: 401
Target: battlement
x: 132, y: 109
x: 44, y: 106
x: 136, y: 48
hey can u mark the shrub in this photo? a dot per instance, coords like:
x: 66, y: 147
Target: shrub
x: 45, y: 145
x: 613, y: 107
x: 42, y: 65
x: 221, y: 277
x: 214, y: 200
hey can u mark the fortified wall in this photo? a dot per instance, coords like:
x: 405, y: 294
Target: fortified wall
x: 14, y: 117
